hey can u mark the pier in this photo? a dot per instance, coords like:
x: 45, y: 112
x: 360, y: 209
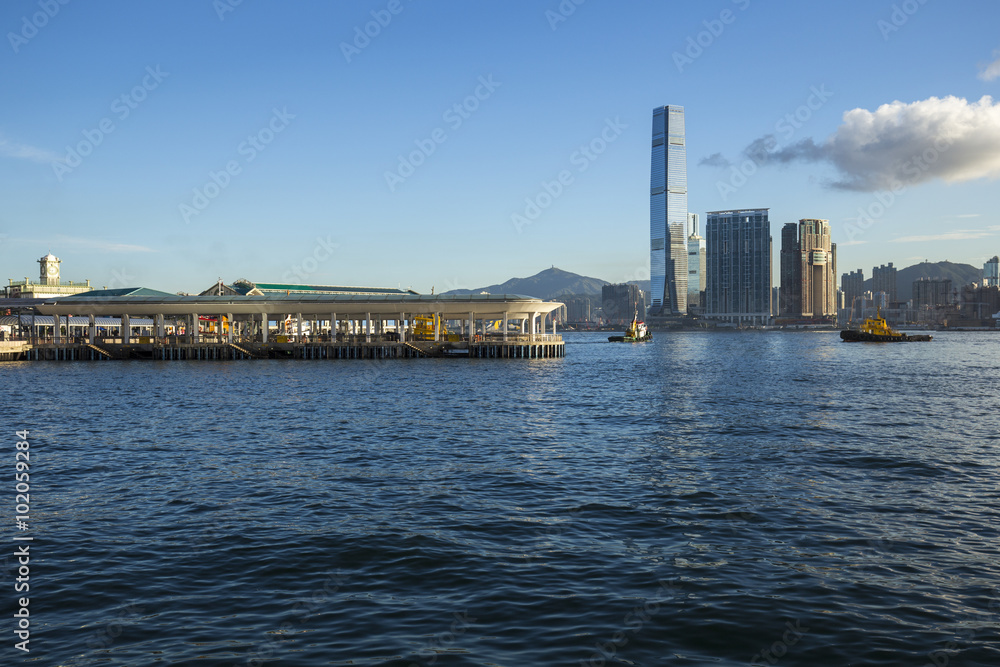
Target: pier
x: 309, y: 327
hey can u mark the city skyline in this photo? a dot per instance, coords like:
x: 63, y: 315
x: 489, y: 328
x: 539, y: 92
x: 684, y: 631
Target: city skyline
x: 390, y: 143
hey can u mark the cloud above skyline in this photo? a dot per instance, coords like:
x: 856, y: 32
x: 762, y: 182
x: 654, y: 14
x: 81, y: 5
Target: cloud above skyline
x: 901, y: 144
x: 990, y: 71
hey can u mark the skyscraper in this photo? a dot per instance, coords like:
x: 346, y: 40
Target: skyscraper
x: 884, y: 280
x: 668, y: 213
x: 853, y: 285
x: 738, y: 258
x: 790, y: 290
x: 991, y: 272
x: 696, y: 263
x: 818, y: 257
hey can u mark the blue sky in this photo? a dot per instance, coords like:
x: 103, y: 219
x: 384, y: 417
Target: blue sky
x: 277, y: 141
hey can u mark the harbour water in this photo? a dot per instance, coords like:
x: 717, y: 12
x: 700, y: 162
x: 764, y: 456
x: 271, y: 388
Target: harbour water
x: 703, y: 499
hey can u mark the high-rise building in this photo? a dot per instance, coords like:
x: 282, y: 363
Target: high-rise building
x: 991, y: 272
x: 668, y: 251
x: 808, y: 270
x: 853, y: 285
x: 738, y: 259
x: 790, y: 269
x: 931, y: 292
x: 884, y: 280
x: 818, y: 258
x: 621, y: 302
x: 696, y: 263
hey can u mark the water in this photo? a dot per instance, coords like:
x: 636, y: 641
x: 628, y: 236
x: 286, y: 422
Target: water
x: 704, y: 499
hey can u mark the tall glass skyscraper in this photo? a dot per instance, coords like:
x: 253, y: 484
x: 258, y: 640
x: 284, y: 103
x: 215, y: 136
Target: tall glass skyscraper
x: 668, y: 265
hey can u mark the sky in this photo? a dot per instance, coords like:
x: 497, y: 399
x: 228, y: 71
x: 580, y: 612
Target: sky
x: 454, y: 144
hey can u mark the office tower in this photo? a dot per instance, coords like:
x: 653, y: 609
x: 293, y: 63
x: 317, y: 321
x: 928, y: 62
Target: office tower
x: 738, y: 260
x: 696, y: 263
x: 621, y: 303
x: 818, y: 259
x: 853, y: 284
x: 991, y: 272
x: 668, y: 213
x: 790, y: 269
x: 884, y: 280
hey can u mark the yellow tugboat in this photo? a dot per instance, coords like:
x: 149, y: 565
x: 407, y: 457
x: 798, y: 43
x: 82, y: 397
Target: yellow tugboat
x: 636, y: 333
x: 877, y: 330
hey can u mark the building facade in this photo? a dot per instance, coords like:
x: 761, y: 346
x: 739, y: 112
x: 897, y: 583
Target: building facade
x: 696, y: 265
x: 884, y: 280
x: 48, y: 285
x: 818, y: 261
x: 853, y: 286
x: 738, y: 260
x: 790, y: 274
x: 668, y: 253
x: 931, y: 293
x: 991, y: 272
x: 621, y: 302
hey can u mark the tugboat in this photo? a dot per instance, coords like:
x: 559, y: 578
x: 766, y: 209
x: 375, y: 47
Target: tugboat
x: 636, y: 333
x: 877, y: 330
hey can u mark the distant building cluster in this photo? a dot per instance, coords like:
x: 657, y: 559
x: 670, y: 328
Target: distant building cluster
x: 726, y: 277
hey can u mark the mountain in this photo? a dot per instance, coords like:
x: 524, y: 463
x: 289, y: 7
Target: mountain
x: 960, y: 274
x: 548, y: 284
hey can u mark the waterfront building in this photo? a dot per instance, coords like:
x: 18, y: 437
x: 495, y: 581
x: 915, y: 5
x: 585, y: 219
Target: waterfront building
x: 884, y: 280
x: 244, y: 287
x: 808, y: 270
x: 696, y: 265
x: 578, y: 308
x: 620, y: 303
x: 991, y: 272
x: 790, y: 273
x: 738, y: 261
x: 931, y: 293
x: 818, y: 258
x: 668, y: 209
x: 853, y: 286
x: 49, y: 283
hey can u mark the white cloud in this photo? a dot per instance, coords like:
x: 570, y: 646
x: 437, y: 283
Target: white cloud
x: 103, y: 246
x: 902, y: 144
x: 24, y: 152
x: 990, y: 71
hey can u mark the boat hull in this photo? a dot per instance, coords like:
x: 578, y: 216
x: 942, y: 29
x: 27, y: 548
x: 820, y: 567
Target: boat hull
x: 630, y: 339
x: 852, y: 336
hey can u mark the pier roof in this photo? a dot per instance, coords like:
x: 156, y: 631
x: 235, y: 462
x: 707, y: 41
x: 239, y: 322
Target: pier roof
x: 457, y: 305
